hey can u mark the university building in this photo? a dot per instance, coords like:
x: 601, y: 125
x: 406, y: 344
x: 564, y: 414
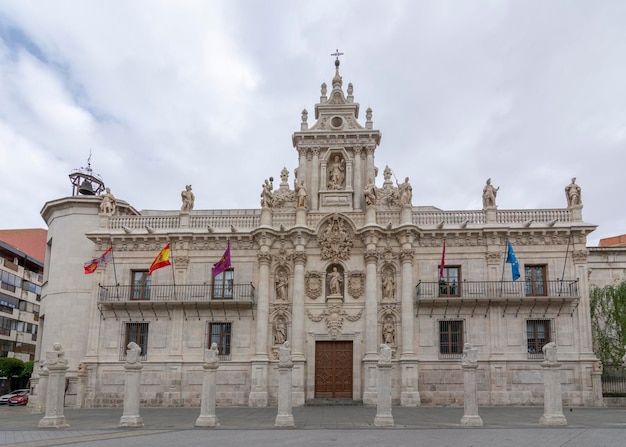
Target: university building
x: 331, y: 263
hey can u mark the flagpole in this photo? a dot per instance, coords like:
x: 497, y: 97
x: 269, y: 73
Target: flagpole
x: 506, y: 250
x: 569, y: 239
x: 173, y: 275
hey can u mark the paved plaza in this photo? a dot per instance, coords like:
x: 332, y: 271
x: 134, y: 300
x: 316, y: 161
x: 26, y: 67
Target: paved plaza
x: 318, y: 426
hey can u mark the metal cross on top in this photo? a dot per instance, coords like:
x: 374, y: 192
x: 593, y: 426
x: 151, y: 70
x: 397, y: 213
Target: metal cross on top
x: 337, y: 54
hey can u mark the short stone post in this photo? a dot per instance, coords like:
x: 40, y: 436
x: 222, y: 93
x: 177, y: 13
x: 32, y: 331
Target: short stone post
x: 469, y: 363
x: 207, y: 416
x: 39, y: 404
x: 552, y: 402
x: 596, y: 385
x: 384, y: 418
x: 81, y: 385
x: 132, y: 387
x: 55, y: 392
x: 284, y: 418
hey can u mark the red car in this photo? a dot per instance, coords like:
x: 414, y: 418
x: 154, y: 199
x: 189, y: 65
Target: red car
x: 19, y: 399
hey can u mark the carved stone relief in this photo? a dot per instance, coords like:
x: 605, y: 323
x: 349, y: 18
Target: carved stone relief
x: 334, y: 316
x: 356, y: 284
x: 313, y: 284
x: 335, y: 240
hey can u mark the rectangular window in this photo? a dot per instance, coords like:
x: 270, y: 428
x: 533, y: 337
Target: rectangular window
x: 223, y: 285
x: 535, y: 280
x: 140, y: 287
x: 537, y: 335
x: 450, y: 338
x: 220, y: 333
x: 449, y: 284
x: 135, y: 332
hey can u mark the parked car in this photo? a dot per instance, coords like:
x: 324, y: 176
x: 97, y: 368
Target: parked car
x: 19, y: 399
x: 5, y: 399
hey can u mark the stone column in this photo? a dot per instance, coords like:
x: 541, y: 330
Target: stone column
x: 207, y: 416
x: 469, y: 363
x: 358, y: 178
x: 315, y: 178
x: 409, y: 394
x: 284, y: 418
x: 371, y: 321
x: 384, y: 418
x: 552, y: 401
x: 55, y: 392
x: 258, y: 393
x: 297, y: 327
x: 132, y: 387
x: 39, y: 405
x: 369, y: 150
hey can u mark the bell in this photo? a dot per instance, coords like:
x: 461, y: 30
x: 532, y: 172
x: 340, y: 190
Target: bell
x: 86, y: 189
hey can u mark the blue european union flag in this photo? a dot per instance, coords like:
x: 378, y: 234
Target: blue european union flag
x: 511, y: 259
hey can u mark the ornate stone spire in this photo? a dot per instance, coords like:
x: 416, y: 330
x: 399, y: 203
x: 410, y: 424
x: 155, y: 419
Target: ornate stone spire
x: 337, y: 81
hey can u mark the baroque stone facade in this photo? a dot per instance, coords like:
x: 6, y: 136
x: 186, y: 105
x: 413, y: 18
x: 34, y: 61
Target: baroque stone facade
x: 330, y: 273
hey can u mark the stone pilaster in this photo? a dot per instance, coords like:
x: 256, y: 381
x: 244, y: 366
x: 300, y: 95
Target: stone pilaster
x: 258, y: 393
x: 384, y: 418
x: 55, y: 392
x: 297, y: 328
x: 409, y: 394
x: 358, y: 177
x: 315, y: 179
x: 371, y: 325
x: 207, y: 417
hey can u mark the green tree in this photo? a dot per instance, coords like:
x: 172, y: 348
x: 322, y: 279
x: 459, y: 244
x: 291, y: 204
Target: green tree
x: 12, y: 369
x: 608, y: 322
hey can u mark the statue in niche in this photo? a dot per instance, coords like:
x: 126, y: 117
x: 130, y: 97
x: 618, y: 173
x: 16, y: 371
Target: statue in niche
x: 337, y: 173
x: 405, y: 192
x: 389, y: 331
x: 489, y: 195
x: 108, y: 204
x: 280, y: 331
x: 371, y: 193
x: 300, y: 193
x: 282, y: 286
x: 572, y: 192
x: 389, y: 286
x: 334, y: 282
x: 266, y: 193
x: 188, y: 199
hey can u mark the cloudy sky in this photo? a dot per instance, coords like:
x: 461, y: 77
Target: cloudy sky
x: 166, y: 93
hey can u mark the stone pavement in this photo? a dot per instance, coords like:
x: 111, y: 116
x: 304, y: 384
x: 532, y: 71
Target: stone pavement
x: 318, y: 426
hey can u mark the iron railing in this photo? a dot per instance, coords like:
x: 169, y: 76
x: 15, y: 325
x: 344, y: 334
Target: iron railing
x: 614, y: 381
x: 498, y: 289
x: 239, y: 293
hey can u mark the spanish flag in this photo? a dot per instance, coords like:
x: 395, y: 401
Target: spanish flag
x: 162, y: 259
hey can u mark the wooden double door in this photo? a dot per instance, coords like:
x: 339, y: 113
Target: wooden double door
x: 333, y: 369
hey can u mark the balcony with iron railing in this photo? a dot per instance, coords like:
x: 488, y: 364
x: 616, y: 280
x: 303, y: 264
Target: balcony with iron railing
x: 239, y: 294
x: 515, y: 296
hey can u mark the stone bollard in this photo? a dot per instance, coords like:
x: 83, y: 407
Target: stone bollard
x: 132, y: 387
x: 552, y: 402
x: 81, y: 385
x: 39, y: 404
x: 284, y: 418
x: 469, y: 363
x: 55, y: 392
x: 384, y: 418
x: 596, y: 385
x: 207, y: 416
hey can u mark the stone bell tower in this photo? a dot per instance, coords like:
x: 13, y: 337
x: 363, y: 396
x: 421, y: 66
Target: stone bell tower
x: 336, y: 154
